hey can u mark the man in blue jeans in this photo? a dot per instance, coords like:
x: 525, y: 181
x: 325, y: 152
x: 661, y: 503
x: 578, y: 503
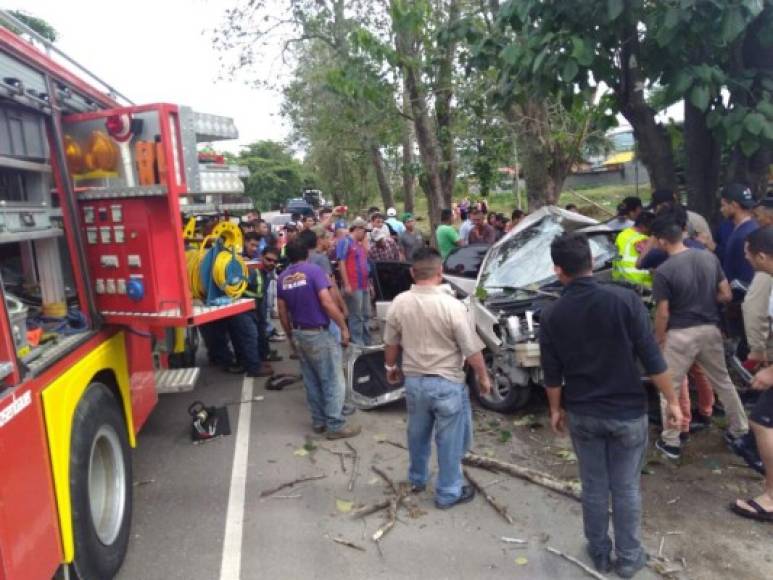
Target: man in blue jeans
x: 590, y: 340
x: 305, y: 310
x: 436, y: 335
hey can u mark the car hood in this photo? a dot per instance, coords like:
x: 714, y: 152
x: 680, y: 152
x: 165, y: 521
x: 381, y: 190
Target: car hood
x: 522, y: 259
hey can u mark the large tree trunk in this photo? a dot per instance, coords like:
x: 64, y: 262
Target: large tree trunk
x: 702, y: 153
x: 406, y: 46
x: 409, y: 181
x: 381, y: 177
x: 535, y: 159
x: 443, y: 93
x: 654, y: 144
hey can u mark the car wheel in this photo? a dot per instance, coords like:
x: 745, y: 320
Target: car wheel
x: 505, y: 397
x: 100, y: 484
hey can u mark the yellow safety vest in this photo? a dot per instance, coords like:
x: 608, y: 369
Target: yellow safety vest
x: 625, y: 265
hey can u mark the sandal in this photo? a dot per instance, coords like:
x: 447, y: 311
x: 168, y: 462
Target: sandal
x: 759, y: 514
x: 279, y: 382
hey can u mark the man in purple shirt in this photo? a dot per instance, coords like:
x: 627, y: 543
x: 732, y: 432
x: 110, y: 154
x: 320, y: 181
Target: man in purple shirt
x: 305, y: 310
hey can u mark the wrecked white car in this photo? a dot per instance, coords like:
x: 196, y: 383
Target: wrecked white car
x: 506, y: 286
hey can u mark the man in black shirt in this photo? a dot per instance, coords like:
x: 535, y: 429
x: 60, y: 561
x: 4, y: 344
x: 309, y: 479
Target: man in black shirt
x: 590, y: 339
x: 687, y: 289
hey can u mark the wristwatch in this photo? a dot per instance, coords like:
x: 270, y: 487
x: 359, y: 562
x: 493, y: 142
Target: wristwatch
x: 390, y: 368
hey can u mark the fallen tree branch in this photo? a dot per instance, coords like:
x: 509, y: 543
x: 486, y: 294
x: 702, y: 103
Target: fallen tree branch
x: 349, y: 544
x: 588, y: 570
x: 567, y: 488
x: 371, y: 509
x: 268, y: 492
x: 498, y: 507
x: 394, y: 505
x: 355, y: 465
x: 392, y: 487
x: 394, y: 444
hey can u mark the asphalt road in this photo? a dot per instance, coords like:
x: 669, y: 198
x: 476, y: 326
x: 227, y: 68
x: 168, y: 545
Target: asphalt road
x: 182, y: 513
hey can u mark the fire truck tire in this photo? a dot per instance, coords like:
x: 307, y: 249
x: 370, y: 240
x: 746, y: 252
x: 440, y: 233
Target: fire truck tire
x: 100, y: 484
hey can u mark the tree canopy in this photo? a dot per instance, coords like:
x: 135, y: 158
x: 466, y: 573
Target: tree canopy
x: 387, y: 93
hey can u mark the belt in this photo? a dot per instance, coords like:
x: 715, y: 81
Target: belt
x: 313, y: 328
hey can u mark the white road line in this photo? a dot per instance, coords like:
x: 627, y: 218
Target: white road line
x: 230, y: 565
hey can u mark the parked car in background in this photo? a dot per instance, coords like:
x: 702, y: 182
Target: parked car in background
x: 297, y: 205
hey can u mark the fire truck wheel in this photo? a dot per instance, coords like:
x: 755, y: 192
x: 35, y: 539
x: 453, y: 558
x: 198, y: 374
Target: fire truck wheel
x: 100, y: 484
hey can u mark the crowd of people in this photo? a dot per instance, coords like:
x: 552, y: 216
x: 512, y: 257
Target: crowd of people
x: 704, y: 285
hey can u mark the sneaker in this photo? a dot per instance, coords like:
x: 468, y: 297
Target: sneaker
x: 348, y: 409
x: 318, y: 429
x: 602, y: 562
x: 418, y: 488
x: 277, y: 337
x: 263, y: 371
x: 697, y: 425
x: 468, y: 493
x: 668, y: 451
x: 345, y: 433
x: 274, y: 356
x: 630, y: 569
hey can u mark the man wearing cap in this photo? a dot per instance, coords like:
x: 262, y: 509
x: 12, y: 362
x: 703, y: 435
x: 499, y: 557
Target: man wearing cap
x: 412, y: 239
x: 697, y: 226
x: 353, y: 265
x: 394, y: 223
x: 383, y: 248
x: 736, y: 204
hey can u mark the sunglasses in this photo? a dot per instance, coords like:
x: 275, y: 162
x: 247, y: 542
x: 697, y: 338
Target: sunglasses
x: 269, y: 260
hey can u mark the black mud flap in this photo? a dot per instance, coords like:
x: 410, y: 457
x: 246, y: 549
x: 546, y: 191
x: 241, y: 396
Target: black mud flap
x: 366, y: 383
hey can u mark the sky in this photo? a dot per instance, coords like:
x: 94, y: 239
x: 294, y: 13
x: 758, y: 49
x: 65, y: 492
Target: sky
x: 161, y: 51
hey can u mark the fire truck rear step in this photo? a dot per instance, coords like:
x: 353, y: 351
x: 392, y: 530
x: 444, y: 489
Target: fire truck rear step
x: 177, y: 380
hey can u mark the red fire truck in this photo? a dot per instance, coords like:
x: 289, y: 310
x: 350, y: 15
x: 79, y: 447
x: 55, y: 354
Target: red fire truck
x: 93, y: 280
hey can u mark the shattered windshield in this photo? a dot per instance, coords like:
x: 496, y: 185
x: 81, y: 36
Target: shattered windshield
x: 523, y: 261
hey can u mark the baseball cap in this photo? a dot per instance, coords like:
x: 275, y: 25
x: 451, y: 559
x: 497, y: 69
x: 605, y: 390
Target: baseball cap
x: 341, y: 225
x: 407, y: 216
x: 661, y: 196
x: 358, y: 222
x: 391, y: 212
x: 291, y: 226
x: 378, y: 235
x: 738, y: 193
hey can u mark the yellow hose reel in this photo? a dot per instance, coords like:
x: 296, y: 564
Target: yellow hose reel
x: 220, y: 265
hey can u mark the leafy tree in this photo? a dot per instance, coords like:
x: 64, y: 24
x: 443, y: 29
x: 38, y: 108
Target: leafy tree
x: 694, y: 49
x: 275, y: 175
x: 37, y: 24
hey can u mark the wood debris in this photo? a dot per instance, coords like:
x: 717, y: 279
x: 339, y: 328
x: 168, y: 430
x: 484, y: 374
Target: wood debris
x: 587, y: 569
x: 271, y: 491
x: 571, y: 489
x: 370, y: 509
x: 498, y: 507
x: 568, y: 488
x: 355, y: 464
x: 349, y: 544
